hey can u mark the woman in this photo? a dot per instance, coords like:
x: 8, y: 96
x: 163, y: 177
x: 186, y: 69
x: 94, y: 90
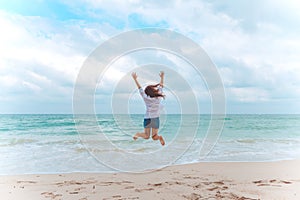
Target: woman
x: 152, y: 96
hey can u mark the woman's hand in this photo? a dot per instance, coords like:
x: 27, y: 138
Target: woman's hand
x: 134, y: 75
x: 162, y: 74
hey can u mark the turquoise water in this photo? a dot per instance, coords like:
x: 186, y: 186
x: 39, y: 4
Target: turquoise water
x: 51, y: 143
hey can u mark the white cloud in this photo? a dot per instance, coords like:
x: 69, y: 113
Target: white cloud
x: 255, y: 44
x: 8, y: 81
x: 45, y: 53
x: 265, y: 50
x: 39, y: 78
x: 248, y: 94
x: 31, y: 86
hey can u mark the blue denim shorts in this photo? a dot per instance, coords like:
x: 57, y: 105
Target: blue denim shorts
x: 151, y: 123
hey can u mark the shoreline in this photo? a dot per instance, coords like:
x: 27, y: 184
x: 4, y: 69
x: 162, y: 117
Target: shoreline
x: 141, y: 172
x: 147, y: 171
x: 202, y: 180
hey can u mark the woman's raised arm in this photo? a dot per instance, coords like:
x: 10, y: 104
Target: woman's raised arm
x: 134, y: 76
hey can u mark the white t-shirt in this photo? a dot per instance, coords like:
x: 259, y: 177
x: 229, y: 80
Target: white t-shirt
x: 152, y: 104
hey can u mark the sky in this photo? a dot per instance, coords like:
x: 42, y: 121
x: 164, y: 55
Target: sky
x: 255, y: 45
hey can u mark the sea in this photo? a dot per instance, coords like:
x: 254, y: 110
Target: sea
x: 59, y: 143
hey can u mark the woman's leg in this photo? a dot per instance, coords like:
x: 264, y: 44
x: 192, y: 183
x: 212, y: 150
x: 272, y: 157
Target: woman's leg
x: 155, y: 136
x: 145, y: 134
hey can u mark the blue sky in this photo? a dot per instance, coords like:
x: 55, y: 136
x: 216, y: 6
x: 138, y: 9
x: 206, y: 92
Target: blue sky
x: 254, y: 44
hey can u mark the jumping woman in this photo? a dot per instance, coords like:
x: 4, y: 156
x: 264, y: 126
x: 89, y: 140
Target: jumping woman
x: 152, y: 95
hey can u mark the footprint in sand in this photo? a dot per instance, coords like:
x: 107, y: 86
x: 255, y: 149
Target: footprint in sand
x: 219, y: 182
x: 75, y: 192
x: 145, y: 189
x: 192, y: 196
x: 26, y: 182
x: 272, y: 182
x: 50, y: 195
x: 108, y: 183
x: 174, y: 183
x: 286, y: 182
x: 185, y: 176
x: 213, y: 188
x: 197, y: 186
x: 266, y: 184
x: 78, y: 189
x: 67, y: 183
x: 155, y: 184
x: 129, y: 187
x: 216, y: 185
x: 234, y: 196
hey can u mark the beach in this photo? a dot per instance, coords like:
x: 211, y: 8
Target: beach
x: 44, y: 157
x: 206, y: 180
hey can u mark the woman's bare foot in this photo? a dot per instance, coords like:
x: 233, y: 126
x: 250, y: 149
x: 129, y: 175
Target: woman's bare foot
x: 161, y: 139
x: 135, y: 137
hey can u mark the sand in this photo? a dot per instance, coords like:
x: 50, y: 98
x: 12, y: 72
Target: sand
x: 232, y: 180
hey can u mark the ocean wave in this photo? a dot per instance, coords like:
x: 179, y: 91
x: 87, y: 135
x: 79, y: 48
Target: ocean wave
x: 15, y: 141
x: 260, y: 140
x: 248, y: 141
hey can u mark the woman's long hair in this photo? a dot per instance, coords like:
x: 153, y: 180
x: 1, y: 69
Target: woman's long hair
x: 152, y: 91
